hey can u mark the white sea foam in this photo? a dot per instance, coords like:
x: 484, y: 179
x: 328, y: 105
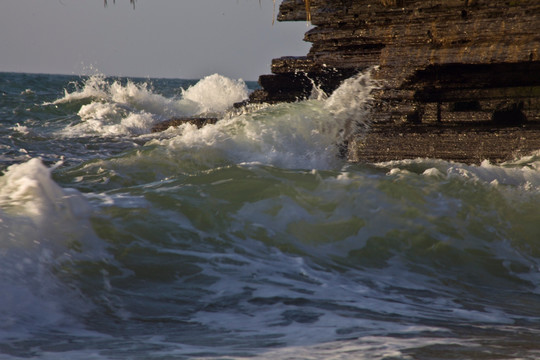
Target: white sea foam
x: 27, y: 92
x: 132, y: 108
x: 216, y: 93
x: 28, y: 190
x: 302, y: 135
x: 299, y: 135
x: 41, y: 225
x: 351, y: 102
x: 112, y: 119
x: 287, y: 135
x: 95, y: 87
x: 372, y: 262
x: 522, y: 173
x: 363, y: 348
x: 21, y: 129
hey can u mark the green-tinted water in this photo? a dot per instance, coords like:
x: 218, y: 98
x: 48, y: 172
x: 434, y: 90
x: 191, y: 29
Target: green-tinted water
x: 249, y: 238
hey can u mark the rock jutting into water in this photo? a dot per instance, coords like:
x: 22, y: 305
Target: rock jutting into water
x: 460, y: 78
x: 174, y: 122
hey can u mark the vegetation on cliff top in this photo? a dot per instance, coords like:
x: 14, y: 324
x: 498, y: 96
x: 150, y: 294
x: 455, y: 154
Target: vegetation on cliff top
x: 307, y: 2
x: 114, y: 1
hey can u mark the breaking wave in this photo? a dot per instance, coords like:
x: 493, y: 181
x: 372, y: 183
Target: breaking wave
x: 115, y: 108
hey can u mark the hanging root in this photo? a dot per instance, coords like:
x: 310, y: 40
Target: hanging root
x: 308, y: 10
x: 273, y: 13
x: 132, y: 2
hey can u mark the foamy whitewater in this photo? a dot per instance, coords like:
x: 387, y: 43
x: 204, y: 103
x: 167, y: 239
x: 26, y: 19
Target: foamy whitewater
x: 251, y: 237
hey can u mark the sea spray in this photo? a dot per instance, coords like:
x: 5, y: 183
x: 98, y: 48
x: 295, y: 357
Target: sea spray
x: 44, y: 229
x: 27, y: 190
x: 351, y: 102
x: 251, y: 239
x: 216, y: 93
x: 116, y: 108
x: 95, y: 87
x: 305, y: 134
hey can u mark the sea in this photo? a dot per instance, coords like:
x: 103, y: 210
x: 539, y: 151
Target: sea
x: 250, y: 238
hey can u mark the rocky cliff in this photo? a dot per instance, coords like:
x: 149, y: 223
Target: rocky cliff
x: 460, y: 78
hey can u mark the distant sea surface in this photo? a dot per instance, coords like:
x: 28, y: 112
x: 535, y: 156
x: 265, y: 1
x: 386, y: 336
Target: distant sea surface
x: 249, y: 238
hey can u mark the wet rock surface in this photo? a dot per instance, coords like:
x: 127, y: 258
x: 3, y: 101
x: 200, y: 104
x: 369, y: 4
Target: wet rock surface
x: 446, y: 68
x: 174, y: 122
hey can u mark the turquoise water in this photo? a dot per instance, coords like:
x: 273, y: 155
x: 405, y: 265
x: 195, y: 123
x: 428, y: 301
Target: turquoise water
x: 249, y: 238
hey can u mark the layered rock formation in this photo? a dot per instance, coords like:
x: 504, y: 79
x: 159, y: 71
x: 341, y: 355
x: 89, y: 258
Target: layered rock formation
x: 460, y: 78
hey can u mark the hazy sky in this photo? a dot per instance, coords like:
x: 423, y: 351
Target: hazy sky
x: 160, y: 38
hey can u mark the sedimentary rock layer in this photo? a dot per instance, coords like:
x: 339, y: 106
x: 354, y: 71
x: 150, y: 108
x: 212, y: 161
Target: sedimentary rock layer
x: 442, y: 63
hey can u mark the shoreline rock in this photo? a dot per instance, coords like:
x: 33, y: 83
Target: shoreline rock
x: 462, y: 142
x: 174, y: 122
x: 457, y: 75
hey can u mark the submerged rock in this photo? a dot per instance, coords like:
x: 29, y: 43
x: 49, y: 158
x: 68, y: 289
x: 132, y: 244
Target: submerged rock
x: 441, y: 63
x: 174, y: 122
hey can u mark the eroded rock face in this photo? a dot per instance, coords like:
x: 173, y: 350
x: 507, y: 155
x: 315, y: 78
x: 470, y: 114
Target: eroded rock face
x: 442, y: 63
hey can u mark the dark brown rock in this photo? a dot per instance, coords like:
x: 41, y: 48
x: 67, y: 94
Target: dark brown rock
x: 294, y: 78
x: 441, y: 63
x: 199, y: 122
x: 464, y: 142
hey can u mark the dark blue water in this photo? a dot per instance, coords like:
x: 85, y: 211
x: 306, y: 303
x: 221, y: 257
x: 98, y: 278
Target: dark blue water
x: 249, y: 238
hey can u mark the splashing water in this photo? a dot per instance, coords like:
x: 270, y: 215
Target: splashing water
x: 43, y: 228
x: 299, y: 135
x: 216, y: 93
x: 132, y: 109
x: 250, y: 238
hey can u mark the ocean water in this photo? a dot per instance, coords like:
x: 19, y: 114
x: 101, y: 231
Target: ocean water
x: 249, y: 238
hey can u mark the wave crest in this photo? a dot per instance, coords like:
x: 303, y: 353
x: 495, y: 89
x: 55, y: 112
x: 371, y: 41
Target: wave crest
x: 130, y: 108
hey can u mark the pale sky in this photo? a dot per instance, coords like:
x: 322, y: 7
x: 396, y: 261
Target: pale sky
x: 160, y: 38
